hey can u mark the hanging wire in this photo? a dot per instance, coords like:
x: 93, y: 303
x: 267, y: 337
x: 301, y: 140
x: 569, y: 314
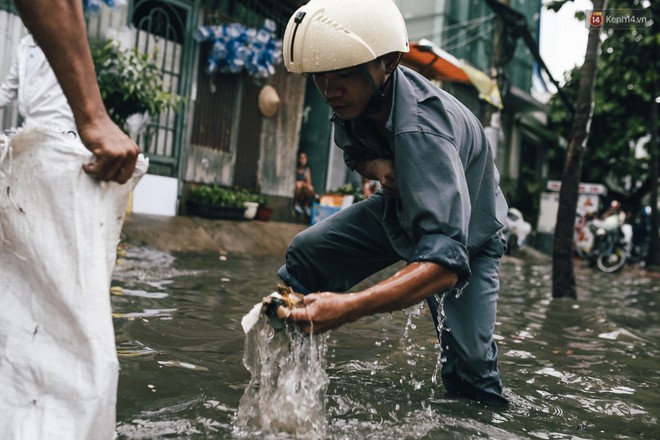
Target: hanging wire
x: 485, y: 33
x: 460, y: 38
x: 463, y: 27
x: 451, y: 26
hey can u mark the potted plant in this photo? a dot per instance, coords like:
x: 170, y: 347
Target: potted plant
x: 264, y: 212
x: 251, y: 203
x: 349, y: 190
x: 214, y: 201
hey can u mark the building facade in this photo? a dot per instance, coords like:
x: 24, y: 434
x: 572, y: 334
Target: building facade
x: 220, y: 136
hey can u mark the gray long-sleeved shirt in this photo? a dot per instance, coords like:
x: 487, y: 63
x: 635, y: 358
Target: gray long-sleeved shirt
x: 450, y: 202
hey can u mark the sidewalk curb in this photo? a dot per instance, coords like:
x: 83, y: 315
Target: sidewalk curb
x: 195, y: 234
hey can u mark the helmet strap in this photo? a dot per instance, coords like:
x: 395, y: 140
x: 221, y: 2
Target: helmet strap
x: 376, y: 102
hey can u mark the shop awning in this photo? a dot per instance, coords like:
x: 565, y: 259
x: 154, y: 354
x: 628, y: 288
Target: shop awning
x: 434, y: 63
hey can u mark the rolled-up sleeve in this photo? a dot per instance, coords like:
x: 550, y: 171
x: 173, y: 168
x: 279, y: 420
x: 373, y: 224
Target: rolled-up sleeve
x: 443, y: 250
x: 435, y: 202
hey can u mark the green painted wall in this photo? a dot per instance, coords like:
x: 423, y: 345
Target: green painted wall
x: 315, y: 133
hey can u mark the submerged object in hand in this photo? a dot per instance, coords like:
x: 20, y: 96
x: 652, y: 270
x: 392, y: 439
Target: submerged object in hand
x: 276, y: 307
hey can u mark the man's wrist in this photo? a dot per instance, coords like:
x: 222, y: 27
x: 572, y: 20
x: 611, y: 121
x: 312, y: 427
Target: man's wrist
x: 356, y: 306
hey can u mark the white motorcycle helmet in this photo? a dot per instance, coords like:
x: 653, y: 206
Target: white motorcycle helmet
x: 327, y: 35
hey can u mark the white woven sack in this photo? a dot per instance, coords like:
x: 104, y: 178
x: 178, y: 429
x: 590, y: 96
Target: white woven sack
x: 59, y: 230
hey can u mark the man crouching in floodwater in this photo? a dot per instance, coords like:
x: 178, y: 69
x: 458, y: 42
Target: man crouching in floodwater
x: 440, y: 208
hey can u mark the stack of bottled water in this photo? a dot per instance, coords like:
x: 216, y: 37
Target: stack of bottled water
x: 236, y: 48
x: 94, y: 6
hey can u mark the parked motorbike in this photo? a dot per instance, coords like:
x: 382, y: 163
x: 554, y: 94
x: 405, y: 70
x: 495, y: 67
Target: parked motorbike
x: 516, y: 230
x: 611, y: 244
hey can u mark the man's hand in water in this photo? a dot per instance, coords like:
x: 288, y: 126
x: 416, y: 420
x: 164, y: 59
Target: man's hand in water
x: 115, y: 153
x: 322, y: 312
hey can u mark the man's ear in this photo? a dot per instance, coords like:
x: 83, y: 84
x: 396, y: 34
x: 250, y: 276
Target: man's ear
x: 391, y: 60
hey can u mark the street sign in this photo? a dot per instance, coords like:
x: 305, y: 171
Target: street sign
x: 584, y: 188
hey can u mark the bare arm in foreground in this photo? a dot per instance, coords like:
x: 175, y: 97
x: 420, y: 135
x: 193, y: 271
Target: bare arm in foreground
x: 325, y: 311
x: 58, y: 26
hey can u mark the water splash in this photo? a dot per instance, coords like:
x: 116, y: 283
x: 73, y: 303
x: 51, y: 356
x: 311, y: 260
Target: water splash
x: 410, y: 347
x: 442, y: 317
x: 288, y: 384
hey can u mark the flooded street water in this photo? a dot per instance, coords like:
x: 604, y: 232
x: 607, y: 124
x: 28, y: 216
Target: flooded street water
x: 586, y: 369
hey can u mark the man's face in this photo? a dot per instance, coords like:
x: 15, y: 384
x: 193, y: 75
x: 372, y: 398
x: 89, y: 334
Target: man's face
x: 348, y: 91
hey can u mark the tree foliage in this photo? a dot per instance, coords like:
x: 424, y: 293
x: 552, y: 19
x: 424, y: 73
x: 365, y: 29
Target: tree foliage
x: 623, y: 99
x: 130, y: 82
x: 625, y: 117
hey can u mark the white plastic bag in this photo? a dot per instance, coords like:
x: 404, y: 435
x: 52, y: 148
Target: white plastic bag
x: 59, y: 230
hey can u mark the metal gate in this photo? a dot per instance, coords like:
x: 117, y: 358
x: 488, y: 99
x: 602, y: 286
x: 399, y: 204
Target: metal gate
x: 164, y: 30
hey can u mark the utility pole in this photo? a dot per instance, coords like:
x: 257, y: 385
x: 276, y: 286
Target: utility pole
x: 498, y: 61
x: 515, y: 26
x: 491, y: 117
